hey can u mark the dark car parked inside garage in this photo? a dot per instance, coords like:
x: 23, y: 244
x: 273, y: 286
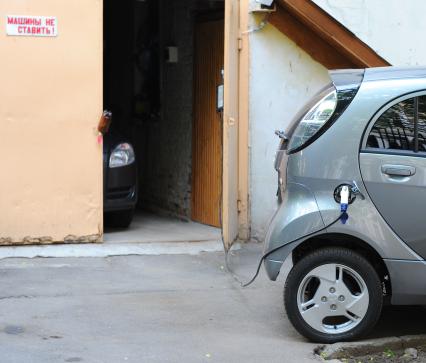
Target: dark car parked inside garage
x: 120, y: 180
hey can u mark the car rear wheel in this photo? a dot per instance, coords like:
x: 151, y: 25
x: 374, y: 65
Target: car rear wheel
x: 119, y: 219
x: 333, y: 294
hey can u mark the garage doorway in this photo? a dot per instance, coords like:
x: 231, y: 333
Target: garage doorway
x: 161, y: 84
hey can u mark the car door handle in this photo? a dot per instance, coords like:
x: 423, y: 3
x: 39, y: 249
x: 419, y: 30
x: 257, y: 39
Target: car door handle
x: 398, y: 170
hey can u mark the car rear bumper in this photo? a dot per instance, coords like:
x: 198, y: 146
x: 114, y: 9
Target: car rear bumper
x: 297, y: 216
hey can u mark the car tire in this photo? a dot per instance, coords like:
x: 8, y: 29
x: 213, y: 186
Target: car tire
x: 319, y: 304
x: 119, y: 219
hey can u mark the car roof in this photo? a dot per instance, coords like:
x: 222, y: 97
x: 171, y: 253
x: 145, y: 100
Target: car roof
x: 383, y: 73
x: 380, y: 73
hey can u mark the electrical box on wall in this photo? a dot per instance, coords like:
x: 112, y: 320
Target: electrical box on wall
x: 171, y: 54
x: 262, y: 6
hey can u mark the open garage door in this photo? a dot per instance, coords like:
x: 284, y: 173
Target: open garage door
x: 51, y: 101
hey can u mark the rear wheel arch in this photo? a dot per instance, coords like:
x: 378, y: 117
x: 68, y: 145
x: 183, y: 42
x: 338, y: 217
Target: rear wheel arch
x: 349, y: 242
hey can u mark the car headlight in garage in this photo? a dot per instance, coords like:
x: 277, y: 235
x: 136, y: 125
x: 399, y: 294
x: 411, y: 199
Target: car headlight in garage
x: 122, y: 155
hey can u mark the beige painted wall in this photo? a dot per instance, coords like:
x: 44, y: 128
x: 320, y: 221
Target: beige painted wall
x: 51, y: 100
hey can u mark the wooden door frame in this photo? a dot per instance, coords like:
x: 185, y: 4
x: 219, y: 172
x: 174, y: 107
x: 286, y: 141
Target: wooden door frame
x: 243, y: 130
x: 235, y: 198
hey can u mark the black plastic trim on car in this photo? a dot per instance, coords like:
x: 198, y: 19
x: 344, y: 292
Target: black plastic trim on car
x: 120, y: 193
x: 410, y: 153
x: 346, y: 91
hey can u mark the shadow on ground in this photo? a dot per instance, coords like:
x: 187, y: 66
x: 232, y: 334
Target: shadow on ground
x: 401, y: 320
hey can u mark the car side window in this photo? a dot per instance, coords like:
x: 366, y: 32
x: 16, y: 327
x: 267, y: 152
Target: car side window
x: 422, y: 124
x: 394, y: 129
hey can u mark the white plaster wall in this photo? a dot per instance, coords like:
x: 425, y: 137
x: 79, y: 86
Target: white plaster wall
x: 282, y: 78
x: 394, y: 29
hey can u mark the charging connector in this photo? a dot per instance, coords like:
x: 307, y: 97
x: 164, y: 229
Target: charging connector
x: 344, y: 198
x: 345, y: 194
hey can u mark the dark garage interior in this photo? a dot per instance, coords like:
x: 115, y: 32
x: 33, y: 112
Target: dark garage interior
x: 160, y: 83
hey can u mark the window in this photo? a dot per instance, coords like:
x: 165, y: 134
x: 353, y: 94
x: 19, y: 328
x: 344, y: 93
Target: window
x: 422, y: 124
x: 395, y: 128
x: 401, y: 127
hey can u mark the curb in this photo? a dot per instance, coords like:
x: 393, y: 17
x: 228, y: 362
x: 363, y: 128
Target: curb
x: 337, y: 351
x: 107, y: 250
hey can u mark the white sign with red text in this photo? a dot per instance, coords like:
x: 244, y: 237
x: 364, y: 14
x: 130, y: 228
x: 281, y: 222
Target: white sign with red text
x: 35, y: 26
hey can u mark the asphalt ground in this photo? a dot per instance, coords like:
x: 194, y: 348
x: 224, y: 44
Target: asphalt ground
x: 164, y: 308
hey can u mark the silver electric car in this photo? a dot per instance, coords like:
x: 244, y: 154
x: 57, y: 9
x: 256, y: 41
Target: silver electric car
x: 352, y: 192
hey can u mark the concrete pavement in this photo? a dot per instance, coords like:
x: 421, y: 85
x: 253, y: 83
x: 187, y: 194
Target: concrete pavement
x: 149, y: 234
x: 167, y: 308
x: 111, y: 249
x: 149, y: 227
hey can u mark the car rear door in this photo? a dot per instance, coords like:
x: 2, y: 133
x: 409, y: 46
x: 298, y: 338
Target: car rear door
x: 393, y: 167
